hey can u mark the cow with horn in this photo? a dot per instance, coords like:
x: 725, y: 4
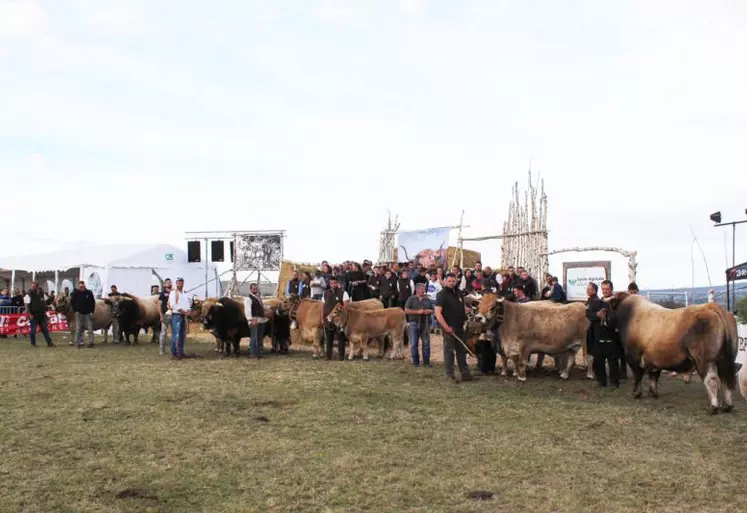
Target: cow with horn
x: 680, y: 339
x: 427, y: 257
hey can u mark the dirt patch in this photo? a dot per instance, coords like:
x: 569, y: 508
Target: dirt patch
x: 136, y: 493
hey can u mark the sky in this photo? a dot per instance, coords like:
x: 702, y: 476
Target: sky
x: 137, y: 120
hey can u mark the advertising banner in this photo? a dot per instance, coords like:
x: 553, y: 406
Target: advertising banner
x: 424, y: 247
x: 577, y: 275
x: 259, y: 252
x: 742, y: 345
x: 18, y: 324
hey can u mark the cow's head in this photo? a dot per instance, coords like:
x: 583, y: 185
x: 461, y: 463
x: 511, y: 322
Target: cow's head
x: 488, y: 308
x: 338, y: 316
x: 617, y: 299
x: 62, y: 304
x: 126, y: 310
x: 210, y: 314
x: 290, y: 306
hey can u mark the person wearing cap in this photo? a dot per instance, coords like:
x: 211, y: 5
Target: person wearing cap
x: 451, y: 315
x: 419, y: 309
x: 179, y: 306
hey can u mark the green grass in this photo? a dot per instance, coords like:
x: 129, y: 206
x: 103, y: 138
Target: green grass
x: 119, y: 429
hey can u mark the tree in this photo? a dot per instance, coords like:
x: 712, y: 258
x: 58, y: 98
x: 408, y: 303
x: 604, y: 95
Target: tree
x: 742, y: 310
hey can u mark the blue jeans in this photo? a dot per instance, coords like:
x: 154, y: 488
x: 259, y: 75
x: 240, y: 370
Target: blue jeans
x: 434, y: 322
x: 255, y: 342
x: 40, y: 321
x: 420, y: 331
x: 178, y: 331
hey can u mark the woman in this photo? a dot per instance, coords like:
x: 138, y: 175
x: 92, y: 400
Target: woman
x: 358, y: 283
x: 304, y: 288
x: 469, y: 287
x: 440, y: 276
x: 318, y: 285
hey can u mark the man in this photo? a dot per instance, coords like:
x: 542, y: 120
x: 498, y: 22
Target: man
x: 602, y: 337
x: 83, y: 303
x: 318, y: 285
x: 633, y: 289
x: 607, y: 289
x: 374, y: 283
x: 521, y: 296
x: 37, y: 312
x: 489, y: 281
x: 528, y: 284
x: 451, y: 316
x: 155, y: 290
x: 292, y: 288
x: 165, y: 315
x: 387, y: 289
x: 115, y: 321
x: 179, y: 306
x: 333, y: 296
x: 255, y: 311
x: 434, y: 287
x: 418, y: 309
x: 405, y: 288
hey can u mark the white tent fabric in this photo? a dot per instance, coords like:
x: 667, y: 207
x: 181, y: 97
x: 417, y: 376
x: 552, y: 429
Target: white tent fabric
x: 130, y: 267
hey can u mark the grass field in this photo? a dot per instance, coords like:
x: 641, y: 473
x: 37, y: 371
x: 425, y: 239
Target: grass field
x: 119, y: 429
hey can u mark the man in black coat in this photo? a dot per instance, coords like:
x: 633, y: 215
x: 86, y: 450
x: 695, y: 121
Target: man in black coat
x: 37, y: 312
x: 604, y: 346
x: 83, y: 303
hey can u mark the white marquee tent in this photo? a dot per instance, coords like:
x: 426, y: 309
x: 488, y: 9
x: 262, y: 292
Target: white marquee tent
x: 132, y: 268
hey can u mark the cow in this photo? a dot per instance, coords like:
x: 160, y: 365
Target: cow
x: 657, y: 338
x: 360, y: 326
x: 226, y: 320
x: 558, y: 330
x: 306, y: 315
x: 136, y: 313
x: 278, y: 325
x: 101, y: 318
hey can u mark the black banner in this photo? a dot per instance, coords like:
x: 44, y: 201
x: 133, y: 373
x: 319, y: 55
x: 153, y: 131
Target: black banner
x: 737, y: 273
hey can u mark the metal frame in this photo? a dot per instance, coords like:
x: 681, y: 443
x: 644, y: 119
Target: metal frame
x: 733, y: 298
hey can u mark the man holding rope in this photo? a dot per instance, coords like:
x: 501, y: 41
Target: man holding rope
x: 451, y: 315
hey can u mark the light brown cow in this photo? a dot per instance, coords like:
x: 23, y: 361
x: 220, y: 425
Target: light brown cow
x: 101, y: 317
x: 307, y: 316
x: 360, y: 326
x: 537, y: 327
x: 678, y: 339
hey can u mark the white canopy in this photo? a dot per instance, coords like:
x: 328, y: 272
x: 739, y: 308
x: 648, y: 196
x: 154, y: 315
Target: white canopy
x: 130, y: 267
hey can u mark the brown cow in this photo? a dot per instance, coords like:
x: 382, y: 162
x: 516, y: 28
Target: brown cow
x: 136, y: 313
x: 360, y: 326
x: 536, y: 327
x: 307, y: 317
x: 101, y: 318
x: 657, y: 338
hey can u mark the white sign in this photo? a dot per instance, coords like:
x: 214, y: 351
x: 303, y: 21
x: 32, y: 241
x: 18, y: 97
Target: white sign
x: 577, y: 278
x: 742, y: 344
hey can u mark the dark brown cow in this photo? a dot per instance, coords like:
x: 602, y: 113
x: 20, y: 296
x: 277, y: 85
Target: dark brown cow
x: 536, y: 327
x: 657, y: 338
x: 135, y: 313
x: 360, y: 326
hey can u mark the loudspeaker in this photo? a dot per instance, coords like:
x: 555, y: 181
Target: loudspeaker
x: 216, y: 251
x: 193, y: 251
x: 233, y: 253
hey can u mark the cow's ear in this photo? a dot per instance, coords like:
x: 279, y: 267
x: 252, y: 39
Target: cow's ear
x: 108, y: 302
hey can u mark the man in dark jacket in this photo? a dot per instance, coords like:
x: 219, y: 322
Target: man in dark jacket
x: 83, y: 304
x: 529, y: 284
x: 37, y: 312
x: 602, y: 336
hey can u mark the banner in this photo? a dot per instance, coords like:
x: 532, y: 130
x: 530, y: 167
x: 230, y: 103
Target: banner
x: 259, y: 252
x: 424, y: 247
x: 577, y: 275
x: 19, y: 324
x: 742, y: 345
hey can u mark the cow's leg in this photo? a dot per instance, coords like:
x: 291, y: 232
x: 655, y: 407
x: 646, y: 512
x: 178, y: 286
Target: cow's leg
x: 367, y: 350
x: 565, y: 366
x: 236, y: 346
x: 218, y: 344
x: 711, y: 383
x: 728, y: 400
x: 637, y: 371
x: 354, y: 341
x: 520, y: 366
x: 653, y: 382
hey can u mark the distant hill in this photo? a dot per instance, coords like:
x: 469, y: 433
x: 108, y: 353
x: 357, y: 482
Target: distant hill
x: 695, y: 295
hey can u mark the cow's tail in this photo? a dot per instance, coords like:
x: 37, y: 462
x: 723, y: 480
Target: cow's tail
x: 727, y: 368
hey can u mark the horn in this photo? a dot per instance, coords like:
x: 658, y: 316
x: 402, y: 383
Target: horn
x: 407, y: 258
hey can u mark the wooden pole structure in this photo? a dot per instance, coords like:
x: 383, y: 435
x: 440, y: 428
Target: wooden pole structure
x: 460, y: 245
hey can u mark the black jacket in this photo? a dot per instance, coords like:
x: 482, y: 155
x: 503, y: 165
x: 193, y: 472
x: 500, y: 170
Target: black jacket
x: 36, y: 306
x: 82, y: 302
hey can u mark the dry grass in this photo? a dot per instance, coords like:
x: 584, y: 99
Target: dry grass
x: 119, y: 429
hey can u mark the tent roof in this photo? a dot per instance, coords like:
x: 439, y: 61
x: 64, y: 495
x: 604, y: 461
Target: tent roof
x: 152, y: 256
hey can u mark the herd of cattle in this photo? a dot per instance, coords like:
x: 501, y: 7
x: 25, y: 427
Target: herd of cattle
x: 699, y: 338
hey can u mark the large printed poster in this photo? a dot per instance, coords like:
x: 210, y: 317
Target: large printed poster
x: 259, y: 252
x: 741, y: 344
x: 424, y: 247
x: 577, y: 275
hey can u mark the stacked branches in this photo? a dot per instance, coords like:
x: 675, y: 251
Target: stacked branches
x: 524, y: 240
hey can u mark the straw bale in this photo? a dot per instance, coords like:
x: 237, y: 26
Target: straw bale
x: 286, y: 273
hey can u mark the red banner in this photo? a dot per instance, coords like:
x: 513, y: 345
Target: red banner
x: 19, y: 324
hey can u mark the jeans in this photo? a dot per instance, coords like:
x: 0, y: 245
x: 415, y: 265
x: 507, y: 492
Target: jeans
x: 165, y: 324
x: 83, y: 321
x: 41, y: 322
x: 419, y: 331
x: 178, y: 330
x: 434, y: 322
x: 317, y: 297
x: 256, y: 339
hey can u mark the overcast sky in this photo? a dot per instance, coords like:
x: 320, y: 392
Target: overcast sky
x: 135, y: 121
